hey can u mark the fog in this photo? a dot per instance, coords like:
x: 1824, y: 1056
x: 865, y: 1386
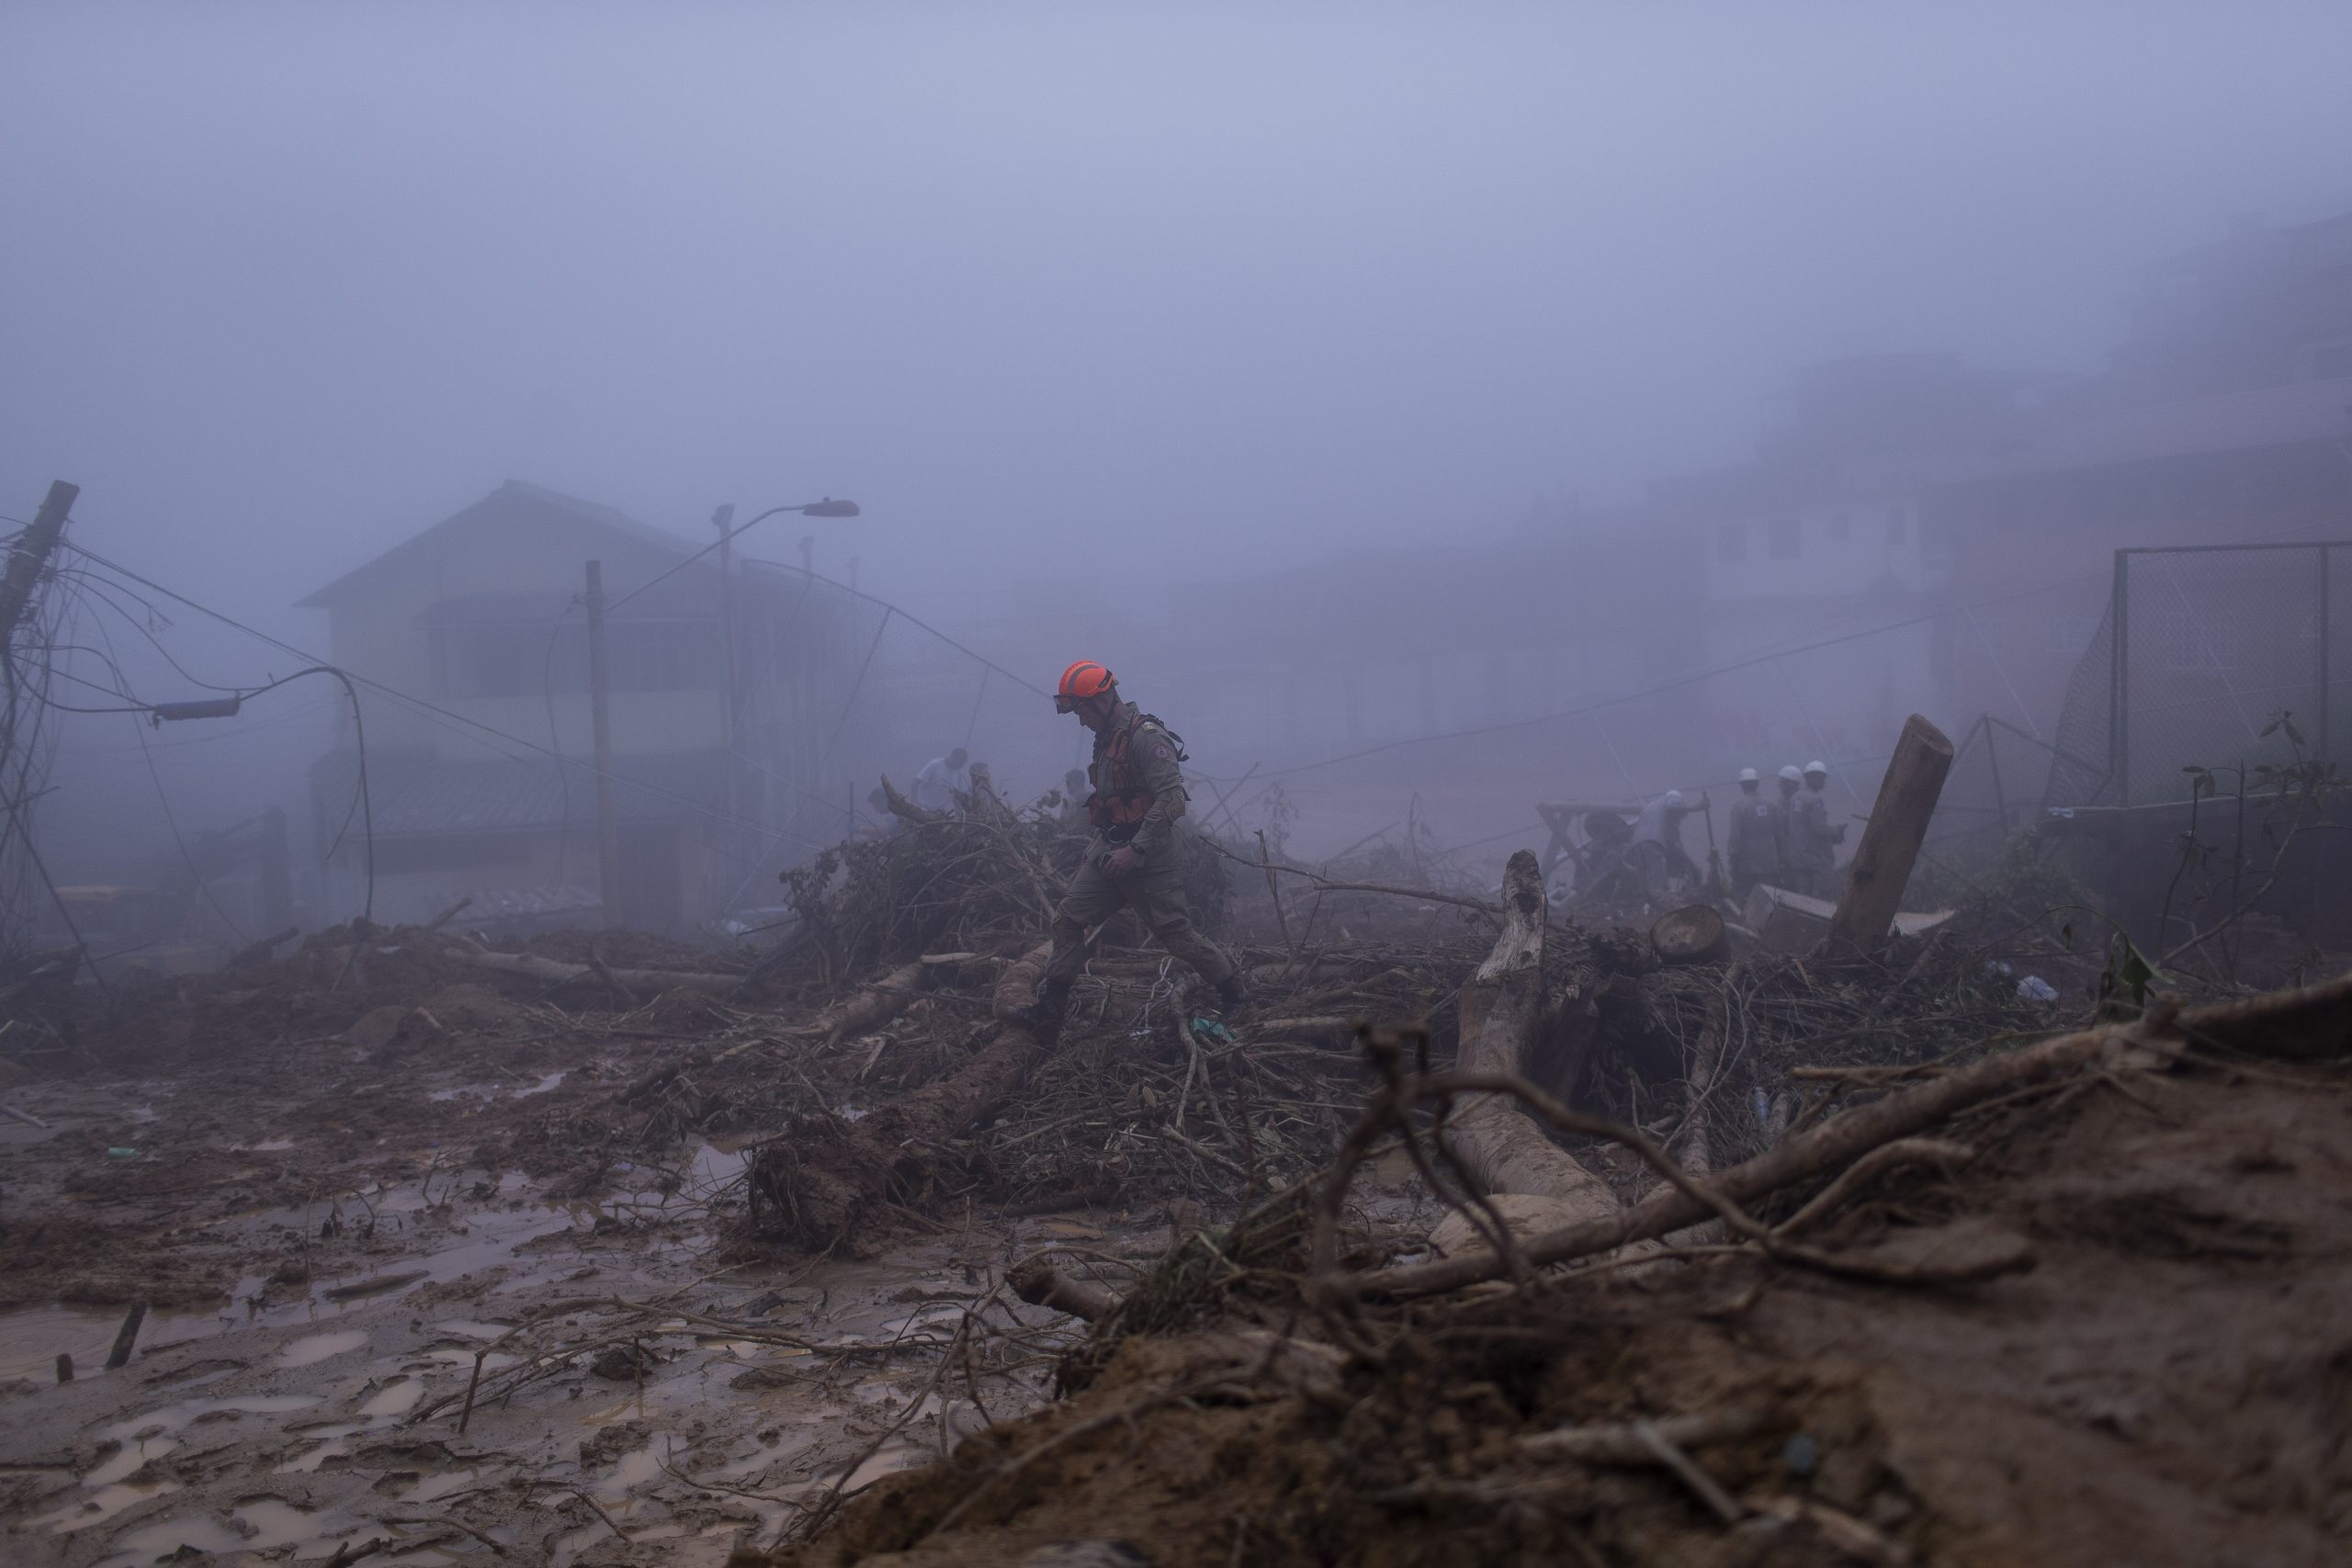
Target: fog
x: 1096, y: 310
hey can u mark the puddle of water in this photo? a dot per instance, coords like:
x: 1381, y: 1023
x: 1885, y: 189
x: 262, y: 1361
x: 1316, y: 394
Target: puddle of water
x: 328, y: 1440
x: 492, y: 1091
x: 102, y: 1504
x: 277, y: 1522
x: 32, y: 1340
x: 128, y: 1458
x: 468, y: 1328
x: 898, y: 1456
x: 715, y: 1168
x: 393, y: 1398
x: 636, y: 1469
x: 261, y: 1523
x: 173, y: 1418
x: 153, y: 1437
x: 316, y: 1347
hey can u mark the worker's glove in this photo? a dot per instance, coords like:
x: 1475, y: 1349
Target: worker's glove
x: 1121, y: 861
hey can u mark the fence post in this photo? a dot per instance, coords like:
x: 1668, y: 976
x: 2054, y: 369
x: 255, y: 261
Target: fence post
x: 2325, y: 660
x: 2119, y: 729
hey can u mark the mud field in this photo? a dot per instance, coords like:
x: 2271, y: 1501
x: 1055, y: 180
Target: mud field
x: 332, y: 1235
x: 603, y: 1250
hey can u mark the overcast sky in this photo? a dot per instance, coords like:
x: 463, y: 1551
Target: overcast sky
x: 1091, y: 290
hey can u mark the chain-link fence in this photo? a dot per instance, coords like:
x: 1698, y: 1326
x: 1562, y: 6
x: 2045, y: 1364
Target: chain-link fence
x: 2200, y: 650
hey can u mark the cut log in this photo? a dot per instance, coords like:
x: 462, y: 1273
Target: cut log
x: 2288, y: 1025
x: 1502, y: 1018
x: 817, y: 1187
x: 873, y: 1007
x: 1039, y: 1283
x: 905, y: 810
x: 1891, y: 839
x: 1692, y: 934
x: 532, y: 967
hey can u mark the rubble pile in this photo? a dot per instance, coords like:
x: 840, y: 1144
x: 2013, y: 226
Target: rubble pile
x: 1479, y: 1234
x: 2120, y: 1250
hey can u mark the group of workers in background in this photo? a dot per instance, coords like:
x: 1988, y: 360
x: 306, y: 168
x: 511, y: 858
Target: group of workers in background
x: 1787, y: 842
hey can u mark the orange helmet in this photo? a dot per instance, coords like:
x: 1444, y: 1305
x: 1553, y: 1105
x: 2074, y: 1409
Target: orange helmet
x: 1082, y: 679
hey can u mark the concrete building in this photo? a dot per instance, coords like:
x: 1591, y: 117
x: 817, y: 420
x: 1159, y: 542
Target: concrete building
x: 2223, y: 418
x: 1819, y: 536
x: 472, y: 640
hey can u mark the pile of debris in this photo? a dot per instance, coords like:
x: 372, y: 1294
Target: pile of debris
x: 1830, y: 1350
x: 1492, y: 1234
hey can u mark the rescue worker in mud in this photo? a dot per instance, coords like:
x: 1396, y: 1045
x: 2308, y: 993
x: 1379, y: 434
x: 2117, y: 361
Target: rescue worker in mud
x: 1812, y: 843
x: 1756, y: 837
x: 1137, y: 795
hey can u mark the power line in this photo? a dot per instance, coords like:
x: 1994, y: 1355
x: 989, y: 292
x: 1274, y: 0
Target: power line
x: 911, y: 620
x: 419, y: 706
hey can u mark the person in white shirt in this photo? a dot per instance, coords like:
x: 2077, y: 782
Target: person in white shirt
x: 942, y: 780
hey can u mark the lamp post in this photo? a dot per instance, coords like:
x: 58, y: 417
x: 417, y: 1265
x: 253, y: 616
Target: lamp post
x: 730, y: 694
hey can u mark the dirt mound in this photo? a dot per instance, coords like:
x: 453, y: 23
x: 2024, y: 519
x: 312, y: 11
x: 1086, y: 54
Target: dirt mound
x: 2156, y: 1373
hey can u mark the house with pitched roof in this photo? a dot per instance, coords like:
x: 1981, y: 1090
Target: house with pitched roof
x: 727, y: 695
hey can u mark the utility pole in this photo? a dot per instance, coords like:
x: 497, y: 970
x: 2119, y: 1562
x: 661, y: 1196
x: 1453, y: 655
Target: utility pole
x: 608, y: 837
x: 25, y: 565
x: 730, y: 723
x: 31, y: 554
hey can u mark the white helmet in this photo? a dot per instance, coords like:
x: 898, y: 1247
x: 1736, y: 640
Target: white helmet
x: 1790, y: 773
x: 1817, y: 766
x: 1747, y: 775
x: 1671, y: 799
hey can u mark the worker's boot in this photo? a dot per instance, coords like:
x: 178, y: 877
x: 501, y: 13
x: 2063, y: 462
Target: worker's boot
x: 1044, y: 1016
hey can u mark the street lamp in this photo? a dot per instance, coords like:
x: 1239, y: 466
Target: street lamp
x: 828, y: 507
x: 730, y: 698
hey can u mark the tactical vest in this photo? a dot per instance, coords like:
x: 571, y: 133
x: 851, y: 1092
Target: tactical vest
x: 1121, y: 799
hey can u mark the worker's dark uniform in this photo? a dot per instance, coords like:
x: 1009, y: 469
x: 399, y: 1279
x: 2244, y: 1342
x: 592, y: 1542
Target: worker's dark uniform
x: 1811, y: 843
x: 1757, y: 849
x: 1138, y: 794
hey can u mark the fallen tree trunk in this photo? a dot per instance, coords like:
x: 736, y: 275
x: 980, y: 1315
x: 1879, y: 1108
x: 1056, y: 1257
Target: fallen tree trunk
x: 532, y: 967
x: 1502, y: 1018
x: 872, y: 1007
x: 899, y: 806
x: 2286, y: 1023
x: 815, y: 1187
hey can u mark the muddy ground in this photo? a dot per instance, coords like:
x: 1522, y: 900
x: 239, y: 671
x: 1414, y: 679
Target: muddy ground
x: 448, y: 1264
x: 329, y: 1229
x: 2159, y: 1371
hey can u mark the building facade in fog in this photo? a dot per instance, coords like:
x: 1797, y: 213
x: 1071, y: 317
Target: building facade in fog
x: 2223, y: 418
x: 1820, y: 536
x: 472, y: 639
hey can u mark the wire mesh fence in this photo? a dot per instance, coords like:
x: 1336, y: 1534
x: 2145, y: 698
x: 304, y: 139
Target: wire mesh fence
x: 2201, y: 649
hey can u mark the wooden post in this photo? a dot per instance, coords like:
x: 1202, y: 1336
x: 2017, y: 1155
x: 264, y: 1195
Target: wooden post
x: 126, y: 1336
x: 608, y: 838
x: 31, y: 554
x: 1882, y: 865
x: 729, y: 718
